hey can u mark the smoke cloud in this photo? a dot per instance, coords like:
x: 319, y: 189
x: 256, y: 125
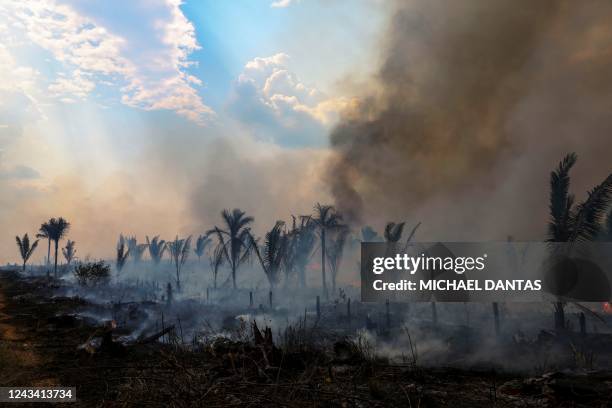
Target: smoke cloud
x: 474, y: 103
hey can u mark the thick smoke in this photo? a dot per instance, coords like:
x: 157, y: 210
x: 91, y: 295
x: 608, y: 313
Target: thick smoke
x: 475, y: 102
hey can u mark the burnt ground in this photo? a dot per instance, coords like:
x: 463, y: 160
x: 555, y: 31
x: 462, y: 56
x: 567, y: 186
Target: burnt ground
x: 38, y: 348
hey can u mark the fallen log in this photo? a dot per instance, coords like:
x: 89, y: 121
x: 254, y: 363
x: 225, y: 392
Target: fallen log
x: 154, y: 337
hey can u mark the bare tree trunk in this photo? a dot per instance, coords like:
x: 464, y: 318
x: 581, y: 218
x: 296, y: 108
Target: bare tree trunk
x: 323, y: 263
x: 333, y: 282
x: 55, y: 267
x: 234, y: 275
x: 48, y: 257
x: 559, y: 316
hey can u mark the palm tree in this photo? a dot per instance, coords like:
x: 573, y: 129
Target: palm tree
x: 303, y: 239
x: 57, y: 229
x: 215, y: 260
x: 43, y: 233
x: 289, y: 259
x: 25, y: 249
x: 69, y: 250
x: 335, y: 251
x: 235, y: 243
x: 326, y: 219
x: 369, y: 234
x: 393, y: 231
x: 274, y: 250
x: 201, y: 243
x: 607, y: 230
x: 156, y: 248
x: 123, y: 252
x: 179, y: 251
x: 135, y: 249
x: 574, y: 223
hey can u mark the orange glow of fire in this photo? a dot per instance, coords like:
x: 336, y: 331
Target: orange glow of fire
x: 607, y: 307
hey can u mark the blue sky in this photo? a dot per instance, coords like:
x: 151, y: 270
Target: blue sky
x: 128, y: 108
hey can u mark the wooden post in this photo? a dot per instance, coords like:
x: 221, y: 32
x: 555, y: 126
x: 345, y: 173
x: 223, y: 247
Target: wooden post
x: 251, y: 299
x: 348, y: 312
x: 582, y: 321
x: 496, y: 317
x: 169, y: 294
x: 387, y: 314
x: 318, y: 308
x: 434, y: 313
x: 270, y: 296
x: 162, y: 323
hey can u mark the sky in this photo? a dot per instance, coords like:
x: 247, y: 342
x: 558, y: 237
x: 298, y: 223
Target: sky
x: 150, y: 117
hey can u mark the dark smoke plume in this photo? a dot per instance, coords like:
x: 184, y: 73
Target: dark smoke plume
x: 472, y: 104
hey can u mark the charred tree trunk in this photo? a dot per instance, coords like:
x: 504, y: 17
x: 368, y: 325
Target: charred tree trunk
x: 234, y: 275
x: 559, y: 316
x: 496, y: 317
x: 55, y: 267
x: 323, y: 277
x: 434, y: 313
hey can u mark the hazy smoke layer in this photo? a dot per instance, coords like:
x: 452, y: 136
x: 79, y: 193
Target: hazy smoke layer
x: 475, y: 102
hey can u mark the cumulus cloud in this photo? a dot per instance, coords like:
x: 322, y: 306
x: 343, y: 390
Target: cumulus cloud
x: 277, y: 106
x: 88, y: 53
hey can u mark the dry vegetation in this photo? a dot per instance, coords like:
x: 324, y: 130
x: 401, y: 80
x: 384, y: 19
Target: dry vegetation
x: 42, y: 345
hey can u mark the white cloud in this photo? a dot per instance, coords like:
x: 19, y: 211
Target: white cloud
x: 89, y: 53
x: 19, y: 96
x: 78, y: 85
x: 273, y: 101
x: 282, y: 90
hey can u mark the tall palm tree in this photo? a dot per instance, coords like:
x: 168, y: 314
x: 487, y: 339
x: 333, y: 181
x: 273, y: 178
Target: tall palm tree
x: 274, y: 250
x: 157, y: 247
x: 326, y: 218
x: 304, y: 238
x: 574, y: 223
x: 235, y: 241
x: 179, y: 251
x: 25, y: 249
x: 58, y: 228
x: 69, y: 251
x: 335, y: 251
x: 201, y: 244
x: 43, y: 233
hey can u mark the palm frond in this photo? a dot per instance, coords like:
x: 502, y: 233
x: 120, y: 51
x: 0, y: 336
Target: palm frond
x: 590, y: 213
x: 561, y: 201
